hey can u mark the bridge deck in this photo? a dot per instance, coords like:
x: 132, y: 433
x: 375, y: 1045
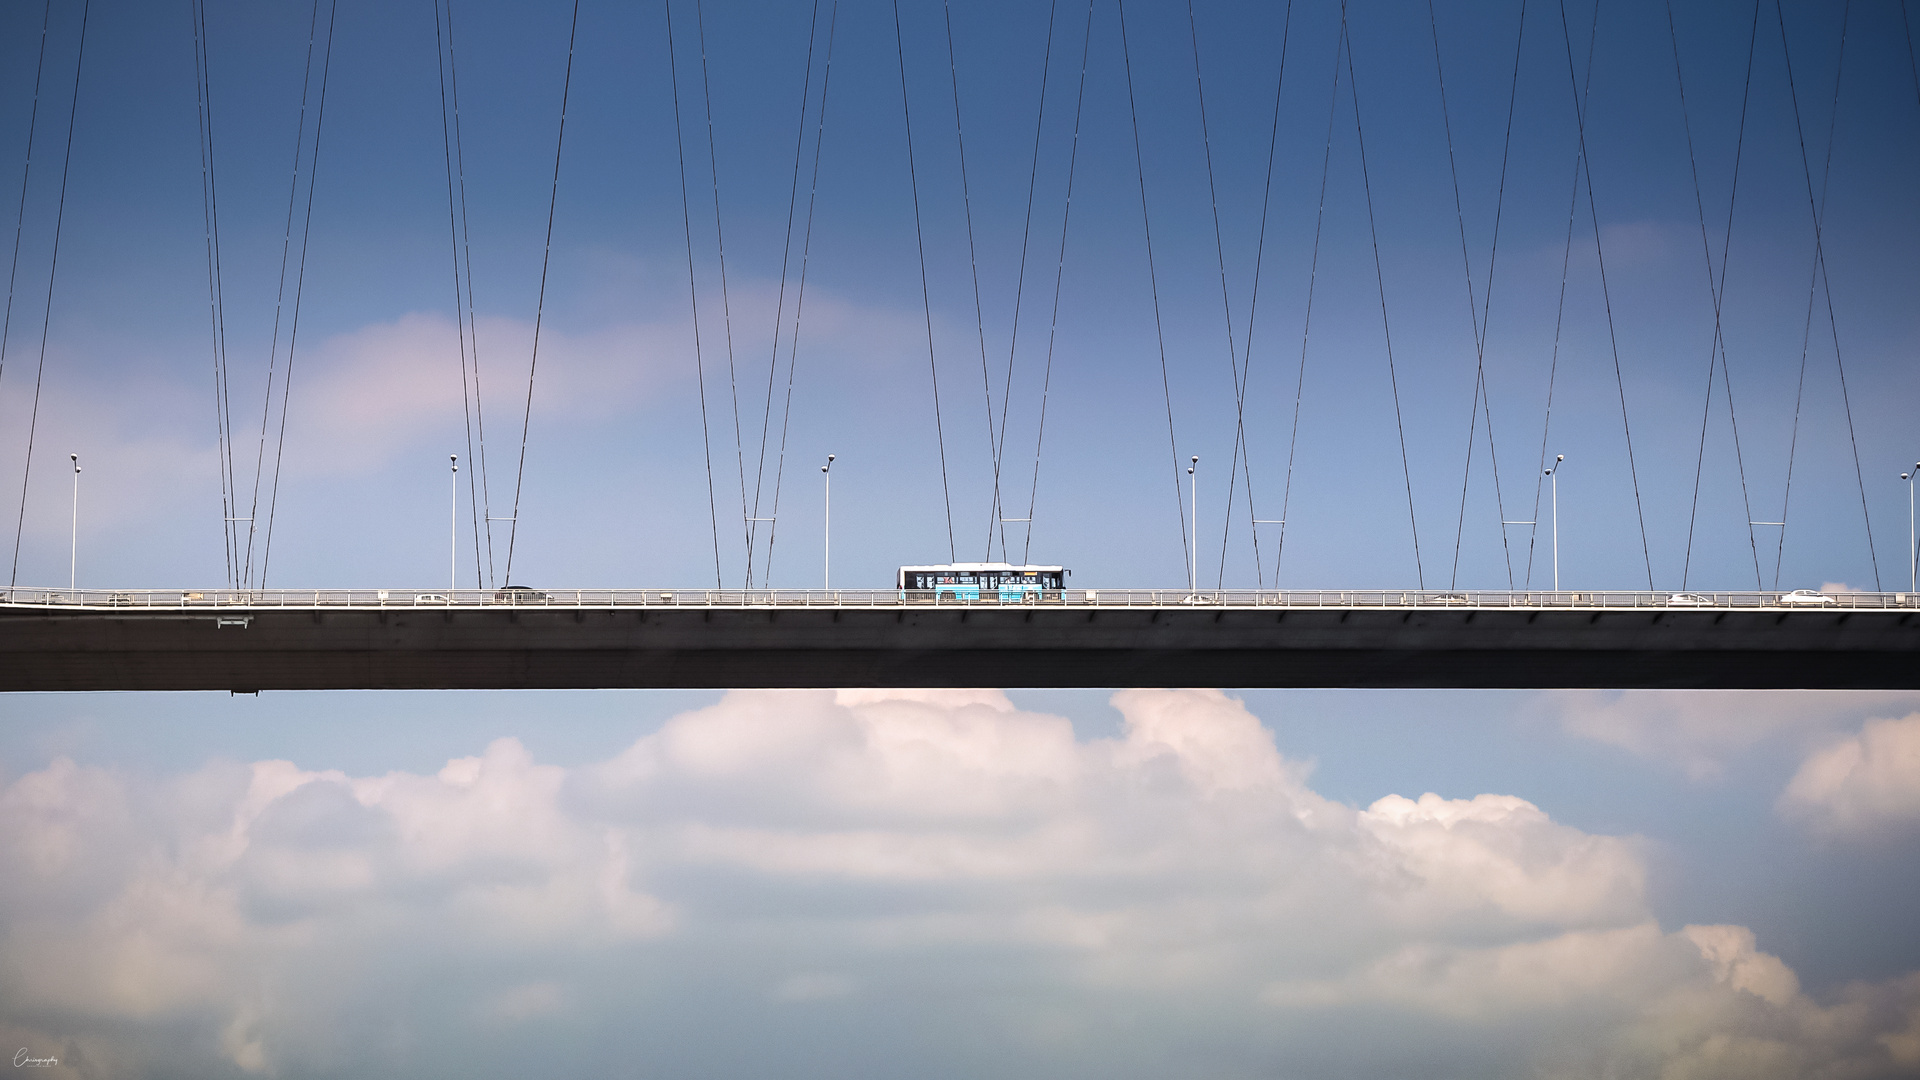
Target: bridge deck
x: 410, y: 639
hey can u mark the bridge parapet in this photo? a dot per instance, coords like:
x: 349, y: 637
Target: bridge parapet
x: 1414, y: 599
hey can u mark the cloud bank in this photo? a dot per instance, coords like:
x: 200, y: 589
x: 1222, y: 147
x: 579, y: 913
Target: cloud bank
x: 872, y: 883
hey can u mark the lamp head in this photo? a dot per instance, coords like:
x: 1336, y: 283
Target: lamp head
x: 1196, y: 459
x: 1557, y: 458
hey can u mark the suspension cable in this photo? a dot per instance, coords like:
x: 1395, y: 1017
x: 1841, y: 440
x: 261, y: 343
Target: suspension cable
x: 973, y: 264
x: 1240, y: 462
x: 1380, y: 278
x: 461, y: 315
x: 1600, y: 258
x: 926, y: 295
x: 1253, y: 309
x: 726, y: 304
x: 485, y: 492
x: 53, y: 266
x: 1482, y: 396
x: 26, y: 174
x: 1818, y: 210
x: 1306, y: 323
x: 280, y: 295
x: 799, y: 304
x: 1913, y: 67
x: 1226, y: 301
x: 1153, y: 283
x: 780, y: 306
x: 299, y: 288
x: 1559, y: 318
x: 465, y: 315
x: 1799, y: 393
x: 1020, y: 285
x: 540, y: 306
x: 1717, y: 348
x: 1059, y: 275
x: 693, y: 292
x: 216, y: 298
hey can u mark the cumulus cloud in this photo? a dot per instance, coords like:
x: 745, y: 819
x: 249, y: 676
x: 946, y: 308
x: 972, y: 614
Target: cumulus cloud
x: 1861, y: 786
x: 951, y: 885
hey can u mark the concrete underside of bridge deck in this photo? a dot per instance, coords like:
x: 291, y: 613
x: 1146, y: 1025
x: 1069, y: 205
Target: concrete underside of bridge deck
x: 558, y: 647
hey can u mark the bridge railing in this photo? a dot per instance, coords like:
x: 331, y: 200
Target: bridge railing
x: 217, y: 600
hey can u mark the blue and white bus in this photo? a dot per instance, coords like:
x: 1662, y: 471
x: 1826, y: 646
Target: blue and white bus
x: 1004, y: 582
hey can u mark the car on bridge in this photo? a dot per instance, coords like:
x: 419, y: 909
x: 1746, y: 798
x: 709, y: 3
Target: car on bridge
x: 519, y: 594
x: 1689, y: 599
x: 1806, y: 598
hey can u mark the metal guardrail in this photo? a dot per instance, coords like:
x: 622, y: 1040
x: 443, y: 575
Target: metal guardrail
x: 216, y: 600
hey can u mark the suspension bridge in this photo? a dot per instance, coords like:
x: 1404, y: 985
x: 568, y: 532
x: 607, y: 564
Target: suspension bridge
x: 243, y: 636
x: 392, y: 639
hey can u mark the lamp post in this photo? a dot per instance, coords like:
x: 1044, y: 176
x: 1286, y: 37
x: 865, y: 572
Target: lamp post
x: 1193, y: 555
x: 1554, y: 475
x: 453, y: 530
x: 826, y: 559
x: 1913, y: 547
x: 73, y: 562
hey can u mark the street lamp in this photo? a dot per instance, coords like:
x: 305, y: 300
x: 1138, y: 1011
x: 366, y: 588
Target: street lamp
x: 453, y: 530
x: 1554, y: 475
x: 1913, y: 547
x: 826, y: 560
x: 73, y: 564
x: 1193, y: 555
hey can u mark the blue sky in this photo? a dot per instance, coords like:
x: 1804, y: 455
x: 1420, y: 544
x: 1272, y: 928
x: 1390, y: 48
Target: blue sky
x: 1116, y: 863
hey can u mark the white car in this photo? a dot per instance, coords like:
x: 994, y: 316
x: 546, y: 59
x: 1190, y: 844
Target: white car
x: 431, y: 598
x: 1688, y: 599
x: 1806, y: 598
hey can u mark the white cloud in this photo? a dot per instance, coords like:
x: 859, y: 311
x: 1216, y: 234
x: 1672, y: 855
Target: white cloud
x: 1863, y: 785
x: 1699, y: 1003
x: 1504, y: 852
x: 1701, y: 730
x: 366, y: 393
x: 974, y: 888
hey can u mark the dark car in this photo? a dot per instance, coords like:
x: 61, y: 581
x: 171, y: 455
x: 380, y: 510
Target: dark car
x: 519, y: 594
